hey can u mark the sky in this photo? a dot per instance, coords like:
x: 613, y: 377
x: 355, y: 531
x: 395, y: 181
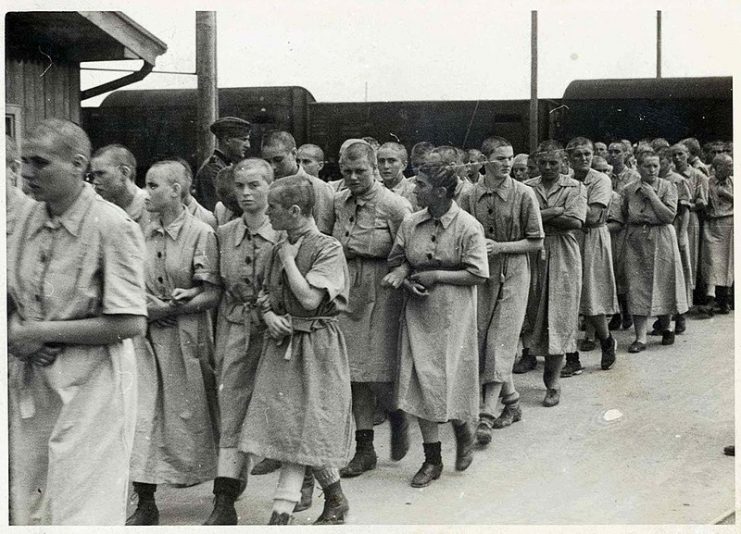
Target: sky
x: 433, y: 49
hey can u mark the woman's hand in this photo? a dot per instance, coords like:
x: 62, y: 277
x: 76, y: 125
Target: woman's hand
x: 415, y: 288
x: 24, y: 345
x: 492, y: 248
x: 158, y: 309
x: 180, y: 295
x: 278, y: 326
x: 426, y: 278
x: 393, y: 279
x: 287, y: 251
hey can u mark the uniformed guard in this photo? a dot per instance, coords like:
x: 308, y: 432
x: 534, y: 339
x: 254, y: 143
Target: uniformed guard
x: 233, y: 136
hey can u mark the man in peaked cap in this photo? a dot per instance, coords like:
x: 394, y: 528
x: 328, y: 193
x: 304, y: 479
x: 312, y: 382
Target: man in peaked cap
x: 233, y: 135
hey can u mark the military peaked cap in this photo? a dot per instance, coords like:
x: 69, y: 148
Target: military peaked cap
x: 230, y: 126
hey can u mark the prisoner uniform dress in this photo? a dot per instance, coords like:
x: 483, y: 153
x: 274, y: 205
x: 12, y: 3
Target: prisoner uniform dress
x: 619, y: 181
x: 72, y: 423
x: 553, y: 306
x: 300, y: 411
x: 240, y: 329
x: 405, y: 188
x: 366, y: 226
x: 717, y: 258
x: 201, y: 213
x: 598, y: 293
x: 137, y: 209
x: 653, y: 266
x: 438, y: 376
x: 698, y: 184
x: 509, y: 212
x: 683, y: 199
x: 176, y: 429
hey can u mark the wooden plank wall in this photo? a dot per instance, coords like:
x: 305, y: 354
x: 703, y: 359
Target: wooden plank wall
x: 43, y: 93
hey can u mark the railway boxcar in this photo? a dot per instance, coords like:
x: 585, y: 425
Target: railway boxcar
x: 458, y: 123
x: 673, y: 108
x: 162, y: 123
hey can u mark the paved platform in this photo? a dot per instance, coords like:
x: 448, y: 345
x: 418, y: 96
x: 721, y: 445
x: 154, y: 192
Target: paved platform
x: 641, y: 444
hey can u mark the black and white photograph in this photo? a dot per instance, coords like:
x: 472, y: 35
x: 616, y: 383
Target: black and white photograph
x: 426, y: 265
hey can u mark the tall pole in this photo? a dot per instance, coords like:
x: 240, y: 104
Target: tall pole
x: 658, y: 44
x: 208, y: 96
x: 533, y: 81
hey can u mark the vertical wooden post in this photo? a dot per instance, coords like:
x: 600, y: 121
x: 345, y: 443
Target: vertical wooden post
x: 658, y: 44
x: 533, y: 81
x: 208, y: 96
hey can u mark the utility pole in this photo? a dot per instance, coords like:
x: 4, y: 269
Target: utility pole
x: 533, y: 81
x: 658, y: 44
x: 208, y: 96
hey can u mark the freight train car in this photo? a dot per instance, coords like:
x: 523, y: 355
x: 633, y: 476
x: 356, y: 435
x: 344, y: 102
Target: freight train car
x: 459, y: 123
x: 161, y: 123
x: 673, y: 108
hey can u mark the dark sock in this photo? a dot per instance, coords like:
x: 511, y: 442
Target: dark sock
x: 226, y: 486
x: 364, y: 439
x: 145, y: 491
x: 512, y: 398
x: 432, y: 453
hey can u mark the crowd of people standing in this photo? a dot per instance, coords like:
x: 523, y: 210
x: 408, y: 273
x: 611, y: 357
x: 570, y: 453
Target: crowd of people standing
x: 258, y: 311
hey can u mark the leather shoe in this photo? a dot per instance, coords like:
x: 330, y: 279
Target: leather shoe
x: 463, y: 446
x: 265, y: 467
x: 280, y: 519
x: 335, y: 506
x: 364, y: 460
x: 667, y: 338
x: 399, y: 435
x: 525, y: 364
x: 426, y: 474
x: 307, y: 491
x: 636, y: 346
x: 680, y: 324
x: 510, y: 414
x: 483, y: 430
x: 146, y: 514
x: 552, y: 398
x: 223, y: 513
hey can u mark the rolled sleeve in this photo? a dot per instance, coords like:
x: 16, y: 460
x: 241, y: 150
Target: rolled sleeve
x: 206, y: 259
x: 530, y: 216
x: 329, y: 270
x: 123, y: 271
x: 473, y: 256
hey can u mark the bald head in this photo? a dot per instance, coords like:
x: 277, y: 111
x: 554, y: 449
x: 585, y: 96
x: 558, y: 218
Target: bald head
x: 68, y: 138
x: 311, y: 158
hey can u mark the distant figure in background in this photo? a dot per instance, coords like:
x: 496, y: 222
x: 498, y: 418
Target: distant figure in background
x: 418, y: 155
x: 392, y: 160
x: 717, y: 258
x: 311, y: 158
x: 233, y: 142
x: 113, y: 173
x: 698, y: 184
x: 473, y: 165
x: 600, y: 149
x: 278, y: 148
x: 693, y: 145
x: 519, y: 167
x: 600, y: 164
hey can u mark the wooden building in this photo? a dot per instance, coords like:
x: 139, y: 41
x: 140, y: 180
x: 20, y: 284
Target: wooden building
x: 43, y: 52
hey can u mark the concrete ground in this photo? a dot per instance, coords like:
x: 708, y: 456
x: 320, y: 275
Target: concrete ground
x: 639, y: 444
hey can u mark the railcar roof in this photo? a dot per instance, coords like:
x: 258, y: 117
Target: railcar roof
x: 651, y: 88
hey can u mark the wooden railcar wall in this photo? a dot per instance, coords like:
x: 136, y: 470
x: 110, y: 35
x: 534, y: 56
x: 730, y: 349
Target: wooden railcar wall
x: 43, y: 93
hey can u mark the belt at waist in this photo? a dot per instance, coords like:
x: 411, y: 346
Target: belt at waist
x: 644, y: 225
x: 349, y: 255
x: 596, y: 225
x: 720, y: 216
x: 310, y: 324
